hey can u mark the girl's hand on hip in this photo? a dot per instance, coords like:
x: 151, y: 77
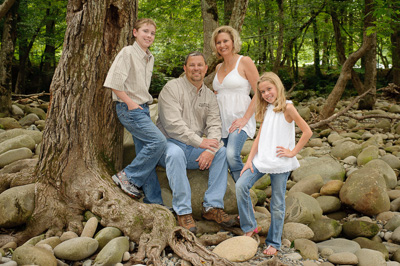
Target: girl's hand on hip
x: 283, y: 152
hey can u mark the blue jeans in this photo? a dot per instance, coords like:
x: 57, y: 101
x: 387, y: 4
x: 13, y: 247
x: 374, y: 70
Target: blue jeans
x: 234, y: 145
x: 277, y: 206
x: 177, y: 158
x: 150, y: 144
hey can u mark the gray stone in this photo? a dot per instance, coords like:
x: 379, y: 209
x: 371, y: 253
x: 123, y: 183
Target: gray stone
x: 12, y: 133
x: 339, y: 245
x: 327, y: 167
x: 343, y: 258
x: 28, y: 120
x: 14, y: 155
x: 359, y: 228
x: 324, y: 229
x: 9, y: 123
x: 263, y: 182
x: 329, y: 204
x: 367, y: 243
x: 90, y: 227
x: 368, y: 257
x: 292, y: 231
x: 30, y: 255
x: 391, y: 160
x: 385, y: 169
x: 16, y: 110
x: 307, y: 248
x: 346, y: 149
x: 105, y: 235
x: 350, y: 160
x: 394, y: 194
x: 393, y: 223
x: 310, y: 184
x: 334, y: 136
x: 331, y: 187
x: 113, y: 251
x: 237, y: 249
x: 395, y: 108
x: 367, y: 154
x: 302, y: 208
x: 23, y: 141
x: 305, y: 113
x: 16, y: 205
x: 35, y: 110
x: 52, y: 241
x: 396, y: 236
x: 315, y: 142
x: 365, y: 191
x: 34, y: 240
x: 76, y: 248
x: 68, y: 235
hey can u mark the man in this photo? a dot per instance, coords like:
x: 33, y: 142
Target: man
x: 187, y: 111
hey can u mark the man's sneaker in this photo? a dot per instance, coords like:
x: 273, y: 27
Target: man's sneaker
x: 122, y: 181
x: 218, y: 215
x: 187, y: 222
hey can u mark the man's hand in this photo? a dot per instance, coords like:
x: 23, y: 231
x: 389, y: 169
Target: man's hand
x: 210, y: 144
x: 205, y: 159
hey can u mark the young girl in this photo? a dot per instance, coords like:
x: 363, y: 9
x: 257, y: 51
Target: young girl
x: 129, y: 79
x: 273, y: 152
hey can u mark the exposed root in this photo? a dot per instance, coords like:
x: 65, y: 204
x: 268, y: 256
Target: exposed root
x: 215, y: 239
x: 186, y: 246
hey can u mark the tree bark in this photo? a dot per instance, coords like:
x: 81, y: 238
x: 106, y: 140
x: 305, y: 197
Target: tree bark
x: 5, y: 7
x: 317, y: 68
x: 48, y: 63
x: 209, y: 13
x: 82, y: 139
x: 345, y: 75
x: 395, y: 39
x: 368, y: 101
x: 6, y: 57
x: 281, y: 30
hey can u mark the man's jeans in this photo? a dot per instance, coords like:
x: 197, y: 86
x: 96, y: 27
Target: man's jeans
x: 277, y: 206
x: 234, y: 145
x: 177, y: 158
x: 150, y: 144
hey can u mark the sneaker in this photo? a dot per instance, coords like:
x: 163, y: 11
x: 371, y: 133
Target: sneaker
x: 218, y: 215
x: 122, y: 181
x: 187, y: 222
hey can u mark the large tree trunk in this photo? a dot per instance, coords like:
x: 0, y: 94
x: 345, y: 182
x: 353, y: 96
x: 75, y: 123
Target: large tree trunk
x: 82, y: 139
x: 7, y: 55
x: 368, y: 101
x: 209, y: 13
x: 395, y: 39
x: 345, y: 75
x: 5, y: 7
x: 281, y: 30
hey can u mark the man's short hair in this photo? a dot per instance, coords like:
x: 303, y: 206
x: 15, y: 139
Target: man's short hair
x: 195, y: 53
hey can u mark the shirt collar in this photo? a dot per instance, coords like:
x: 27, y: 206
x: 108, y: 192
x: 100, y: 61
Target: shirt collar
x: 192, y: 87
x: 142, y: 54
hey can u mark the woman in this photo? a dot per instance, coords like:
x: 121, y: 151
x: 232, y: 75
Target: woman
x: 234, y: 79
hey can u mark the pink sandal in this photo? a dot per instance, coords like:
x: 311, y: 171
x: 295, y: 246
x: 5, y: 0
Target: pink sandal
x: 255, y: 231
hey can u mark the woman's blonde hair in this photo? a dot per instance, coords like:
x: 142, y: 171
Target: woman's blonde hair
x: 280, y: 103
x: 237, y: 43
x: 140, y: 22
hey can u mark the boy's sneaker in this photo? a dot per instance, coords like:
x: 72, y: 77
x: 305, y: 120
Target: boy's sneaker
x: 122, y: 181
x: 218, y: 215
x: 187, y: 222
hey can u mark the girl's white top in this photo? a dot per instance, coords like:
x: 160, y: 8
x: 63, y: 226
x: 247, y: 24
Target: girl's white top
x: 275, y: 131
x: 233, y: 100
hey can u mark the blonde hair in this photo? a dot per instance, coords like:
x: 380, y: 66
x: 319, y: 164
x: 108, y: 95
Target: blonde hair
x: 280, y: 103
x: 140, y: 22
x: 237, y: 43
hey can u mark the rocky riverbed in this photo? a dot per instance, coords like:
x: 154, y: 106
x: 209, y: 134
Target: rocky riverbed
x: 342, y: 205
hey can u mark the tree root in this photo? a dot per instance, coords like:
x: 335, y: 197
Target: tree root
x: 186, y: 246
x: 215, y: 239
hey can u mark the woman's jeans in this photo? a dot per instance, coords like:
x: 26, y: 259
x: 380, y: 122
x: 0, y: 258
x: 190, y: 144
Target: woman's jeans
x: 177, y: 158
x: 234, y: 144
x: 150, y: 145
x: 277, y: 206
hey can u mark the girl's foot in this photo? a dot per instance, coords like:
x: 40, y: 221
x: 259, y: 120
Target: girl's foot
x: 270, y: 251
x: 252, y: 233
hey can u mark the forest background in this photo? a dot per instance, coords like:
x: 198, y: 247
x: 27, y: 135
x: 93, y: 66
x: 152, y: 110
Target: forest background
x: 302, y: 41
x: 66, y: 48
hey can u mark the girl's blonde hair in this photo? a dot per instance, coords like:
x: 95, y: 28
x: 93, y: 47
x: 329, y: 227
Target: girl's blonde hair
x: 237, y: 43
x: 280, y: 103
x: 140, y: 22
